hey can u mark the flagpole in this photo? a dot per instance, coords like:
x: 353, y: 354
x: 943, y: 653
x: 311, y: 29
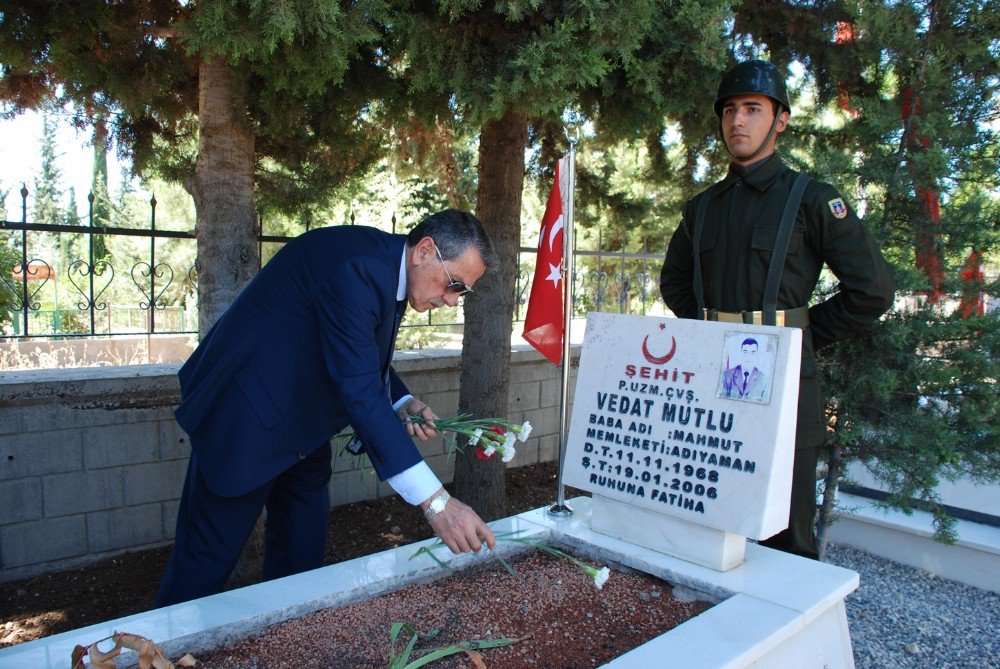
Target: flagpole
x: 561, y: 508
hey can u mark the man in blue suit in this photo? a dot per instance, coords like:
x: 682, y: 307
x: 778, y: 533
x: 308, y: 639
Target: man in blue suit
x: 304, y: 351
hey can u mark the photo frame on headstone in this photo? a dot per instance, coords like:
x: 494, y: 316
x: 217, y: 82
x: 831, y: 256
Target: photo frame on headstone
x: 748, y: 360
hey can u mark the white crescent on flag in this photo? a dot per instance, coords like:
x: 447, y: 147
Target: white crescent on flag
x: 556, y: 229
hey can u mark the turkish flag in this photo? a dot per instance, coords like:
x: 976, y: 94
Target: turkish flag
x: 543, y: 324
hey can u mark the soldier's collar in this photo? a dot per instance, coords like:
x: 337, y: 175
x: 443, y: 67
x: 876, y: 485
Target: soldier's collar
x: 760, y: 175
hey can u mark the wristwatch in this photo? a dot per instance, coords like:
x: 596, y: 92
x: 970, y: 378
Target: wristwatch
x: 437, y: 504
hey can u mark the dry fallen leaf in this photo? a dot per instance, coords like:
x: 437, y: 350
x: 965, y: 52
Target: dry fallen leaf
x: 132, y: 641
x: 103, y: 660
x: 150, y: 655
x: 477, y: 659
x: 79, y: 653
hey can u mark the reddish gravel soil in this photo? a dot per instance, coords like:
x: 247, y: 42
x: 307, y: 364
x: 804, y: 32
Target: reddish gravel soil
x: 52, y: 603
x: 551, y: 605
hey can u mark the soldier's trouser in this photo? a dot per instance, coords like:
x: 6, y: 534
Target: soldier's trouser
x: 810, y: 433
x: 800, y: 537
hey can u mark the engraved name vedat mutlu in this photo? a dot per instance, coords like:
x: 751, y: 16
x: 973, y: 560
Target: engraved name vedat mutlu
x: 681, y: 462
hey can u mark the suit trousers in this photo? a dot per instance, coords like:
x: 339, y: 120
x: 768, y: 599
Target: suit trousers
x: 212, y: 530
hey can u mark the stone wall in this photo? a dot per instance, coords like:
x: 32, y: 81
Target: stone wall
x: 92, y: 460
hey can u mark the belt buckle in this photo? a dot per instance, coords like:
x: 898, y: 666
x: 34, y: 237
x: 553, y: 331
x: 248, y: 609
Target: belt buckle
x: 728, y: 317
x: 757, y: 317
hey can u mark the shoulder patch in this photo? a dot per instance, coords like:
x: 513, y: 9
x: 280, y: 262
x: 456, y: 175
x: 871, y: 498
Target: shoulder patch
x: 838, y: 208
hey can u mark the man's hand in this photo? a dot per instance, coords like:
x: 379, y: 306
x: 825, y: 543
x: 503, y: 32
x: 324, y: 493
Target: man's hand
x: 424, y: 431
x: 461, y: 528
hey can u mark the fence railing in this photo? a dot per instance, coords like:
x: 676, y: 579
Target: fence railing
x: 60, y: 280
x: 68, y: 281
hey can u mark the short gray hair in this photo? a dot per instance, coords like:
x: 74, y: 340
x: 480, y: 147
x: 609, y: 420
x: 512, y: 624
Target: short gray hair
x: 454, y: 231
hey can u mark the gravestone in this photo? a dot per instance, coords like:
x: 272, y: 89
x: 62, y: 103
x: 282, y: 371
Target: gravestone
x: 684, y: 432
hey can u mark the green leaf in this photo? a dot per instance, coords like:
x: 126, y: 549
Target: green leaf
x: 461, y: 647
x: 409, y: 648
x: 507, y: 566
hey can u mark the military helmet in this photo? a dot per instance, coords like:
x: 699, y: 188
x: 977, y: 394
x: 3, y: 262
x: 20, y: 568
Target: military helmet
x: 749, y: 77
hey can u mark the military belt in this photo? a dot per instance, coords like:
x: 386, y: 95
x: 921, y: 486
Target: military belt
x: 792, y: 318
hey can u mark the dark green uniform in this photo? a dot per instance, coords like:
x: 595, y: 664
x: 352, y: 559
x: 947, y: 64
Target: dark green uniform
x: 735, y: 247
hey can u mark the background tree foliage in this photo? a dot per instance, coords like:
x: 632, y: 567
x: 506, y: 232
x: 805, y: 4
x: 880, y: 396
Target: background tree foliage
x: 508, y: 70
x: 313, y: 110
x: 236, y: 99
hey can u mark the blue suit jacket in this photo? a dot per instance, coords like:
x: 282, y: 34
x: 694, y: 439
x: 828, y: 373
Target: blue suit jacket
x: 301, y: 353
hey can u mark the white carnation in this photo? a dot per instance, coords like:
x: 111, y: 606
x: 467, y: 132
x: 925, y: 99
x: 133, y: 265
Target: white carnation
x: 508, y: 452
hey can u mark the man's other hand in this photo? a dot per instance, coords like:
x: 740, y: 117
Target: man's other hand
x: 422, y: 431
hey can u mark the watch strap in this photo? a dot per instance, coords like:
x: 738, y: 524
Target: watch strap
x: 443, y: 497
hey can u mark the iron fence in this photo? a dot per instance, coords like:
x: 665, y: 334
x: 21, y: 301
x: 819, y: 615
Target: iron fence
x: 603, y: 280
x: 58, y: 281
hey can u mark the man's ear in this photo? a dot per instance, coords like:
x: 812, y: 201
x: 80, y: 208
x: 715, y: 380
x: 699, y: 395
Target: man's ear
x: 782, y: 121
x: 423, y: 251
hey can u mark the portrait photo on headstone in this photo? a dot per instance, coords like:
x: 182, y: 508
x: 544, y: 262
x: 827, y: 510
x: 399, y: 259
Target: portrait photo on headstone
x: 748, y: 367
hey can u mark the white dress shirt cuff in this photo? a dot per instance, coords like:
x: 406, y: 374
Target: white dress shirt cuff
x: 400, y: 402
x: 416, y: 483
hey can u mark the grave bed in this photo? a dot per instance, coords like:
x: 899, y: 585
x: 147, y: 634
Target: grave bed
x: 774, y: 610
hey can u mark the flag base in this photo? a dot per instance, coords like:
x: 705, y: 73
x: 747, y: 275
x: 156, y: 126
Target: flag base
x: 560, y: 510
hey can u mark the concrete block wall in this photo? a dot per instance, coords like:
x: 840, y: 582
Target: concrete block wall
x: 92, y: 460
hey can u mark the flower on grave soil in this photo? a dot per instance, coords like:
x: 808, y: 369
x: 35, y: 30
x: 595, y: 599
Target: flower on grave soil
x: 600, y: 575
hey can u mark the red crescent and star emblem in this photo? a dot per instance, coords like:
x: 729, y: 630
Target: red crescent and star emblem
x: 662, y: 359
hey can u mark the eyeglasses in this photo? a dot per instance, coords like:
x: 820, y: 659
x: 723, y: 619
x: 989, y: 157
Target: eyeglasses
x: 456, y: 287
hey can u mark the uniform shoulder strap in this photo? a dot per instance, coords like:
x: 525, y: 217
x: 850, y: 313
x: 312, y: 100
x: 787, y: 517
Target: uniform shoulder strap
x: 777, y: 265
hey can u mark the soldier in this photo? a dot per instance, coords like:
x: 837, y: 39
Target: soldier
x: 750, y: 250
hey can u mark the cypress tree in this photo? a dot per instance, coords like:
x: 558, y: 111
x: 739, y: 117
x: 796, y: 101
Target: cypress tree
x: 234, y: 99
x: 101, y: 206
x: 901, y: 121
x: 505, y: 69
x: 48, y: 194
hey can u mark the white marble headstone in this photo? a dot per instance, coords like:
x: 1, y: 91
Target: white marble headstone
x: 690, y: 419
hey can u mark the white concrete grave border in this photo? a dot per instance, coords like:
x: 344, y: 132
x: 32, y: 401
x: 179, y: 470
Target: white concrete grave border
x: 775, y: 610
